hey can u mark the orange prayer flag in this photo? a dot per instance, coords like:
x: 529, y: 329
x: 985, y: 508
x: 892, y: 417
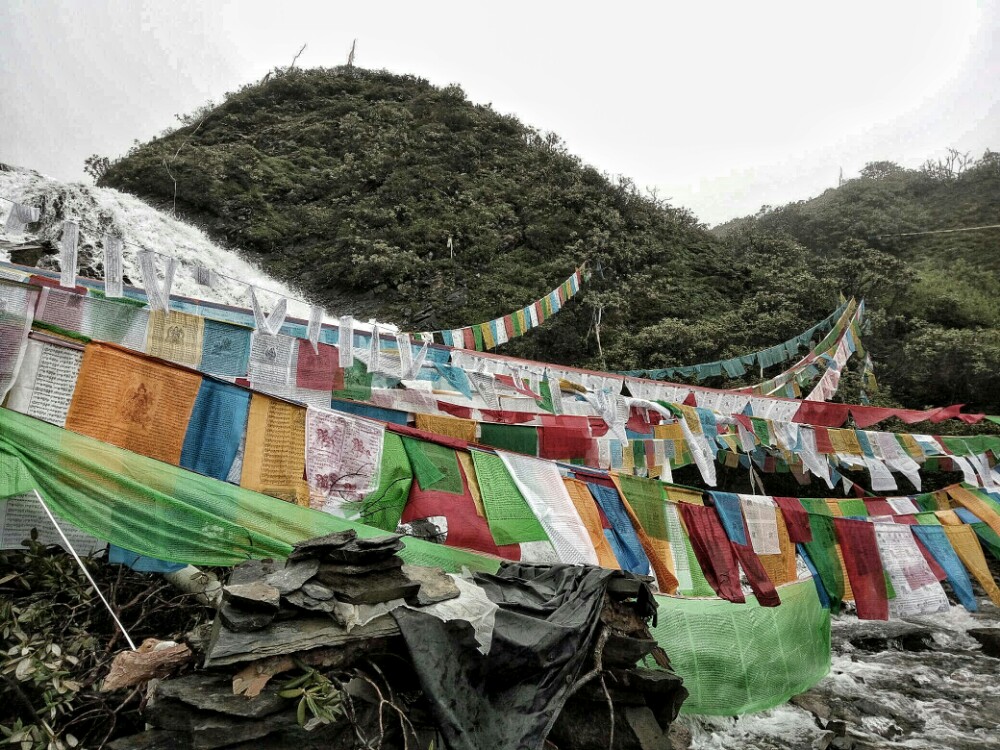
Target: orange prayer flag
x: 133, y: 401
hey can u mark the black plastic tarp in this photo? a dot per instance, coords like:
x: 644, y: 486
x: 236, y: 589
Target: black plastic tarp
x: 509, y: 698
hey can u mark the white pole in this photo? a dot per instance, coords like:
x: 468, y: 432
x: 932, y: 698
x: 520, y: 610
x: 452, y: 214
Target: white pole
x: 84, y: 569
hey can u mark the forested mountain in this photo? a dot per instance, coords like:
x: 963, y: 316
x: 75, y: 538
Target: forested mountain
x: 934, y: 298
x: 349, y: 183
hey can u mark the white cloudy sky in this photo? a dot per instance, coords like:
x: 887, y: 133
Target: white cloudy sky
x: 722, y: 106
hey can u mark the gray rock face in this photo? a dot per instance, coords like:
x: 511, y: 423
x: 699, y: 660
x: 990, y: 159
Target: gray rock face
x: 292, y: 576
x: 989, y: 638
x: 435, y: 585
x: 241, y: 621
x: 372, y: 588
x: 213, y: 691
x: 256, y: 596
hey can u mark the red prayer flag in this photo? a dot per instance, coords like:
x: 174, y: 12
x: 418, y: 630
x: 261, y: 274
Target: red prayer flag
x: 711, y: 547
x: 796, y: 519
x: 822, y: 413
x: 466, y: 528
x: 864, y: 567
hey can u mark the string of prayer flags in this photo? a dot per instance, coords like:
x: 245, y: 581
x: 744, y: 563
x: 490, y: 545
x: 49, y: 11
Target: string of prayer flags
x: 67, y: 253
x: 737, y: 366
x: 158, y: 296
x: 935, y: 540
x: 270, y: 323
x: 112, y: 266
x: 489, y: 335
x: 45, y: 380
x: 175, y: 336
x: 343, y: 456
x: 19, y: 217
x: 864, y: 567
x: 274, y: 460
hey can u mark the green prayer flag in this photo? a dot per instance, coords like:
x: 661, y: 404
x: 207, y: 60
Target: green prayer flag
x: 513, y: 438
x: 510, y: 518
x: 435, y: 466
x: 383, y: 507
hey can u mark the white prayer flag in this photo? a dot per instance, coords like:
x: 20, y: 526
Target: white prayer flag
x: 316, y: 314
x: 345, y: 341
x: 157, y: 296
x: 272, y: 322
x: 205, y: 276
x: 67, y: 253
x: 19, y: 217
x: 112, y: 266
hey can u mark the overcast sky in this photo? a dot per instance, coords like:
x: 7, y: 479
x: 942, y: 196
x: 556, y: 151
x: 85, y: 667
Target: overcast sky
x: 720, y: 106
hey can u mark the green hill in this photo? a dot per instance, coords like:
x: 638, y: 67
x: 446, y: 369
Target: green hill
x: 349, y: 183
x: 935, y: 298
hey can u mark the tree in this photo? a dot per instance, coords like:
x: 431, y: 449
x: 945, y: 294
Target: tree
x: 96, y: 166
x: 879, y: 170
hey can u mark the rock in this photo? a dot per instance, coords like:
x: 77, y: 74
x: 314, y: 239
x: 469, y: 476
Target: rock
x: 435, y: 585
x: 292, y: 576
x: 373, y: 588
x: 812, y: 703
x: 209, y: 729
x: 366, y: 551
x: 256, y: 596
x: 317, y: 591
x: 152, y: 739
x: 892, y: 636
x: 679, y: 737
x: 320, y: 545
x: 647, y: 732
x: 302, y: 600
x: 242, y: 621
x: 989, y: 638
x: 838, y: 727
x: 622, y: 651
x: 212, y: 691
x: 253, y: 570
x: 388, y: 563
x: 288, y: 637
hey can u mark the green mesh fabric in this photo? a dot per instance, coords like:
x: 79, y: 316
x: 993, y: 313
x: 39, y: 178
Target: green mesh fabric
x: 823, y: 553
x: 738, y: 658
x: 166, y: 512
x: 435, y: 466
x: 509, y: 437
x: 510, y: 518
x: 384, y: 507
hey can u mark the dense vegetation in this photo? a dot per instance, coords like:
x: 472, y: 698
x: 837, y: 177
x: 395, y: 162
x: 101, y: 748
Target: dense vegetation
x: 349, y: 183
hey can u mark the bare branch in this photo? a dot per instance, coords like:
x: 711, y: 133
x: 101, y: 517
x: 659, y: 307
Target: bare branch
x: 303, y: 49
